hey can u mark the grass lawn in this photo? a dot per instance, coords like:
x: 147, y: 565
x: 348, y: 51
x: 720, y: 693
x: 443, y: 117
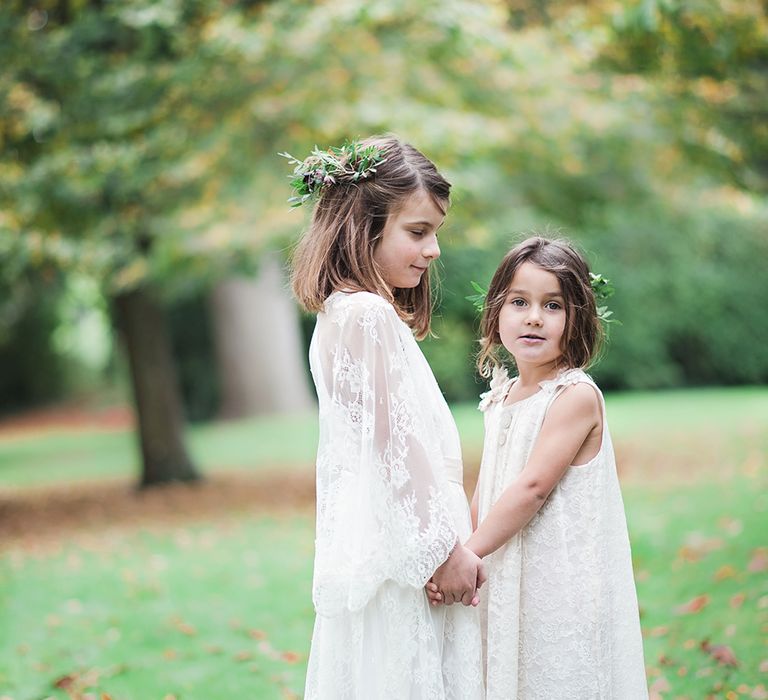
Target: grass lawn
x: 211, y: 611
x: 219, y: 608
x: 642, y: 420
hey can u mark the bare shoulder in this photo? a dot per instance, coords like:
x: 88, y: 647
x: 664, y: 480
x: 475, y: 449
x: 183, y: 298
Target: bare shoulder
x: 580, y: 399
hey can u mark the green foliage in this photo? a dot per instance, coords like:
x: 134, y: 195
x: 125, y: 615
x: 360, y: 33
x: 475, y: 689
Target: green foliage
x: 703, y: 64
x: 138, y: 141
x: 350, y: 162
x: 33, y: 370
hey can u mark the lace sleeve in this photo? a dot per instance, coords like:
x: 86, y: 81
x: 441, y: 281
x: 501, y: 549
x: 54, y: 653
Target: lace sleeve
x: 382, y: 511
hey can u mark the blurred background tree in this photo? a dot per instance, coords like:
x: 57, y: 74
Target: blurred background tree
x: 139, y: 144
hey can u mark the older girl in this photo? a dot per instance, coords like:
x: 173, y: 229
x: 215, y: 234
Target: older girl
x: 390, y: 505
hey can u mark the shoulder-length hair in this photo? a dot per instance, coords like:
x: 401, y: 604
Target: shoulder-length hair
x: 583, y: 335
x: 336, y: 251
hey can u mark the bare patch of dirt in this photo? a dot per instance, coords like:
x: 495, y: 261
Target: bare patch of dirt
x: 34, y: 518
x: 69, y: 416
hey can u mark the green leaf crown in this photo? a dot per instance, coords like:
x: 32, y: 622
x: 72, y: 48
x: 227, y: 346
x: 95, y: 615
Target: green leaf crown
x: 602, y: 288
x: 350, y: 162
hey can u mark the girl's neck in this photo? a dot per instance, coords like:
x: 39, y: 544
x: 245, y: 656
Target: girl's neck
x: 531, y: 375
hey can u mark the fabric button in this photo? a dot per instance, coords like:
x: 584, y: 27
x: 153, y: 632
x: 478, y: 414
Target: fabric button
x: 503, y: 438
x: 507, y: 420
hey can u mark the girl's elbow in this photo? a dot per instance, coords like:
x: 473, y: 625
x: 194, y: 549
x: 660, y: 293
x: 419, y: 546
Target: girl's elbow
x: 536, y: 491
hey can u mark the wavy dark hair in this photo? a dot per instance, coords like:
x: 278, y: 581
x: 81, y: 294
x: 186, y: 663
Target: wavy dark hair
x: 336, y: 252
x: 583, y: 335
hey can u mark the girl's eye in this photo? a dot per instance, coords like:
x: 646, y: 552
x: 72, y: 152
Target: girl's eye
x: 418, y: 233
x: 518, y: 302
x: 553, y: 305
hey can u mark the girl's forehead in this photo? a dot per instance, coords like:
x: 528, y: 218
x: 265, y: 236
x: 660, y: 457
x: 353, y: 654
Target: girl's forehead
x: 531, y: 275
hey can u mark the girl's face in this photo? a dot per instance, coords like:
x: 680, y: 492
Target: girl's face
x: 532, y: 320
x: 408, y: 243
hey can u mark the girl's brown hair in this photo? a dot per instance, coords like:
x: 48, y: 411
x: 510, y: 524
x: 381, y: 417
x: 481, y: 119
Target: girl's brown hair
x: 336, y: 252
x: 583, y: 335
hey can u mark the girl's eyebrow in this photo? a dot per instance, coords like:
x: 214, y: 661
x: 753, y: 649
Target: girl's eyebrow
x: 525, y: 291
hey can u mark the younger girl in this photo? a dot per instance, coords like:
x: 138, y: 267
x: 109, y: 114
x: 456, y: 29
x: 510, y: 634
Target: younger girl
x: 390, y: 504
x: 561, y: 608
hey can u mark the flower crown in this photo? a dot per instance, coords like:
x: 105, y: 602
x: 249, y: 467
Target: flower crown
x: 350, y: 162
x: 601, y: 288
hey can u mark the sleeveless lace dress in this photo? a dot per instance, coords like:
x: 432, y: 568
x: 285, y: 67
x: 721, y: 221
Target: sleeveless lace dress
x: 560, y: 613
x: 390, y: 505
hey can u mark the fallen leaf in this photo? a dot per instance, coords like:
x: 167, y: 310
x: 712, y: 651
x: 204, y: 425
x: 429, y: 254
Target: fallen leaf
x: 724, y: 572
x: 721, y: 653
x: 764, y: 666
x: 730, y: 630
x: 759, y: 692
x: 659, y: 686
x: 658, y: 631
x: 693, y: 606
x: 257, y: 634
x: 65, y: 682
x: 243, y: 656
x: 759, y: 561
x: 737, y: 600
x: 290, y: 657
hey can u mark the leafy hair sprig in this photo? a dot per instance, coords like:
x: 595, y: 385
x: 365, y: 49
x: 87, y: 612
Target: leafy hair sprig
x: 601, y: 288
x: 350, y: 162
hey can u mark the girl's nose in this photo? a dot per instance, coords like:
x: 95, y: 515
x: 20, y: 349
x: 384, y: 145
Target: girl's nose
x: 431, y: 250
x: 534, y: 317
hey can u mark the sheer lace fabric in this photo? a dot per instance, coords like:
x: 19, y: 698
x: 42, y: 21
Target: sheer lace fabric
x: 390, y: 506
x: 560, y: 614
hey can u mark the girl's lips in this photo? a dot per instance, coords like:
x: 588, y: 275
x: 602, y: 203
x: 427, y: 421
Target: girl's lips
x: 531, y: 339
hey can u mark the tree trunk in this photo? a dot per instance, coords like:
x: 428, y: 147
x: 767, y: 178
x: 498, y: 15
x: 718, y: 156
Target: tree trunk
x: 258, y: 345
x: 155, y: 389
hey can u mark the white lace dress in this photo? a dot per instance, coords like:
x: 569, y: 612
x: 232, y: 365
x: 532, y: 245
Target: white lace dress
x: 390, y: 505
x: 560, y: 614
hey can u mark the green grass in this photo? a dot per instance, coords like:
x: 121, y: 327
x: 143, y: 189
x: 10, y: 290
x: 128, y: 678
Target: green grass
x: 205, y: 612
x: 54, y: 456
x: 221, y: 609
x: 290, y: 442
x: 699, y: 541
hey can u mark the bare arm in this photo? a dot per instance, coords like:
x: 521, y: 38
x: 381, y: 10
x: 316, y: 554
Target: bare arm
x: 573, y: 418
x: 473, y: 506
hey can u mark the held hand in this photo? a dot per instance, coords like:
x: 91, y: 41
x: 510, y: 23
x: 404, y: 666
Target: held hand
x: 456, y: 579
x: 433, y: 593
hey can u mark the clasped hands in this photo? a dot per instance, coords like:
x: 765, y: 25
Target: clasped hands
x: 458, y: 579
